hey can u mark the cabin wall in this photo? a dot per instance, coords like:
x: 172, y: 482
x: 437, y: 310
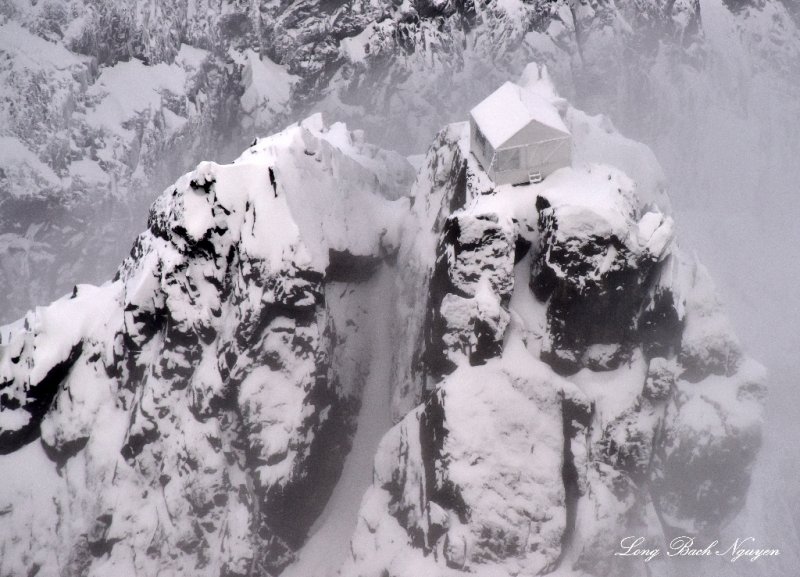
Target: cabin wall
x: 546, y: 157
x: 551, y: 155
x: 511, y: 177
x: 533, y: 132
x: 483, y: 151
x: 537, y: 147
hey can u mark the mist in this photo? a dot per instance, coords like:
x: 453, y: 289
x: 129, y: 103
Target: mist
x: 719, y: 108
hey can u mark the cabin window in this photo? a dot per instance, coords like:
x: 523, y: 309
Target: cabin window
x: 509, y: 159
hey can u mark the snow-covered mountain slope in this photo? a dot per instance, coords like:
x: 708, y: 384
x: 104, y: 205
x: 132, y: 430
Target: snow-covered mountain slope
x: 559, y: 373
x: 199, y: 406
x: 80, y: 144
x: 577, y: 378
x: 109, y: 100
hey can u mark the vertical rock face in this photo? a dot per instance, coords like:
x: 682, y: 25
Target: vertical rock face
x: 193, y: 406
x: 471, y: 478
x: 470, y: 289
x: 594, y: 269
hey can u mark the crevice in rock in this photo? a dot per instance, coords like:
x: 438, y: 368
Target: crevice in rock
x: 437, y: 489
x: 459, y: 198
x: 575, y: 418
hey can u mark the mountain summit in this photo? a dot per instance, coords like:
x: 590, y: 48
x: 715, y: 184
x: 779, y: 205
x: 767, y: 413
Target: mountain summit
x: 313, y: 360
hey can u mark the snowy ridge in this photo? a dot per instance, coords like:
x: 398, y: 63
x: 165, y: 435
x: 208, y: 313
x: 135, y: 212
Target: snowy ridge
x: 86, y: 146
x: 196, y: 399
x: 559, y: 373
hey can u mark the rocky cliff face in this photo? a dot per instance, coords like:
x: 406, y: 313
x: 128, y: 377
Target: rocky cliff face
x: 561, y: 373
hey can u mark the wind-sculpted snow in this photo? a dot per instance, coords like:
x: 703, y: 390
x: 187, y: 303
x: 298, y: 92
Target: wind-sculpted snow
x: 191, y: 405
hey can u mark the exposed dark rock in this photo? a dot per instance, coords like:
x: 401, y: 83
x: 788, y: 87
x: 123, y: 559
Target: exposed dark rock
x: 474, y: 274
x: 346, y: 267
x: 39, y: 397
x: 595, y: 287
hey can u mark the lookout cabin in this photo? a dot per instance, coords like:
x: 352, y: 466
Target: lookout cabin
x: 518, y: 136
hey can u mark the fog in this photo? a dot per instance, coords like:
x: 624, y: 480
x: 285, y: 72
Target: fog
x: 729, y: 141
x: 726, y: 129
x: 725, y: 126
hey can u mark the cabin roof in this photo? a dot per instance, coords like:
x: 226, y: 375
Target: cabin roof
x: 509, y: 109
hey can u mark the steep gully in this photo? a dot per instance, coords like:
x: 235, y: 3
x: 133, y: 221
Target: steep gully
x: 329, y: 538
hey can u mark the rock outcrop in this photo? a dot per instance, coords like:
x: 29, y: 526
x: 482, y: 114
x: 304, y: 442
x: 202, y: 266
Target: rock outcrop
x: 566, y: 396
x: 561, y: 373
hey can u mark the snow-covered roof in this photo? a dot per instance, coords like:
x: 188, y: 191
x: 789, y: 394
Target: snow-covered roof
x: 511, y: 108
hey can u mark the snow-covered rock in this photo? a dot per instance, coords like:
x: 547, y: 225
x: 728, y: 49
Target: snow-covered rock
x: 561, y: 374
x: 107, y: 100
x: 470, y: 478
x: 596, y: 257
x: 470, y: 289
x: 577, y: 382
x: 194, y: 405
